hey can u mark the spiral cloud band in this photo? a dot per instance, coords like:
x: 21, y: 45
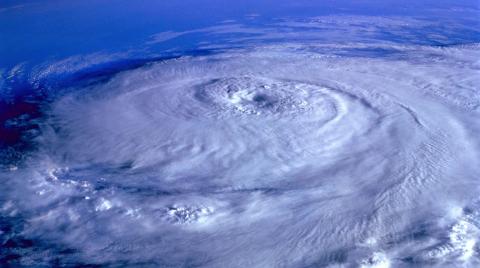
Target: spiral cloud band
x: 279, y: 155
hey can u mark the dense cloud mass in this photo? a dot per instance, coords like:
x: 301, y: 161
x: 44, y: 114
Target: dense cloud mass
x: 288, y: 155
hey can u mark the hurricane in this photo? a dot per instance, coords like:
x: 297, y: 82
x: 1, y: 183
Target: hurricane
x: 317, y: 150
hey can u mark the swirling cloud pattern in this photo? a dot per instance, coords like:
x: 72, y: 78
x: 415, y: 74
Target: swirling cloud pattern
x: 296, y: 154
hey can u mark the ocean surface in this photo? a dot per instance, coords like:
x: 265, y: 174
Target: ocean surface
x: 239, y: 134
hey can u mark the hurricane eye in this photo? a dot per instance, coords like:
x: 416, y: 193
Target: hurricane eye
x: 261, y: 98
